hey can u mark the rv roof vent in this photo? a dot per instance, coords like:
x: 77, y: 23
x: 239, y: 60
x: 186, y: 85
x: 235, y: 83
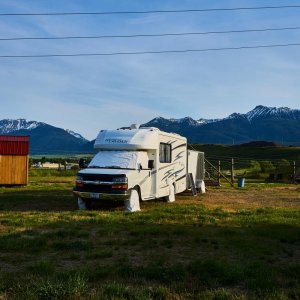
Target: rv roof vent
x: 135, y: 126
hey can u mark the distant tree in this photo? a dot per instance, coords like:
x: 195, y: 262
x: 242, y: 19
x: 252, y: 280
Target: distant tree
x: 255, y: 166
x: 284, y: 167
x: 254, y: 170
x: 267, y: 166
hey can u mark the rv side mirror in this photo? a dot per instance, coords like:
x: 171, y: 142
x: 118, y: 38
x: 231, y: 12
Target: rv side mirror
x: 82, y: 163
x: 151, y: 164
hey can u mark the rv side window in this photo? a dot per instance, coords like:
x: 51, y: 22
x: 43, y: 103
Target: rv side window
x: 164, y: 153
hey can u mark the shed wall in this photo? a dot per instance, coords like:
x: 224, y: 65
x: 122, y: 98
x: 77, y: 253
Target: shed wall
x: 13, y: 169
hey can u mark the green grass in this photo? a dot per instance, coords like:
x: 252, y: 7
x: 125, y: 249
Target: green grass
x: 184, y: 250
x: 52, y: 173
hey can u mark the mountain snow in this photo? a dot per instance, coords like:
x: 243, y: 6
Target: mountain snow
x: 259, y: 112
x: 77, y: 135
x: 186, y: 120
x: 9, y: 125
x: 272, y: 112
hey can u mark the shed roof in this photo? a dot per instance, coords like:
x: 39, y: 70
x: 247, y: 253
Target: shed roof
x: 14, y: 145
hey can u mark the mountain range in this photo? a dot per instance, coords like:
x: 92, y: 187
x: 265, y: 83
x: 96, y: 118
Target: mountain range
x: 279, y: 125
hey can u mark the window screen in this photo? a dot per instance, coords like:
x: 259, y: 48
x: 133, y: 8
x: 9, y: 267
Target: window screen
x: 164, y: 153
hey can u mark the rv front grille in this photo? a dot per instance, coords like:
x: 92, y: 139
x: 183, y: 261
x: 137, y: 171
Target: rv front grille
x: 100, y: 177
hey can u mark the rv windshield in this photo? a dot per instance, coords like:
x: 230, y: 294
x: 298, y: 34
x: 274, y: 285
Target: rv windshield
x: 120, y: 160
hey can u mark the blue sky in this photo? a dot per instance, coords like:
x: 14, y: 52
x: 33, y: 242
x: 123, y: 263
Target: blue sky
x: 87, y: 94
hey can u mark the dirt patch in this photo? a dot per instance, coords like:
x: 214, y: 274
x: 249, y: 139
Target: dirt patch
x: 233, y: 199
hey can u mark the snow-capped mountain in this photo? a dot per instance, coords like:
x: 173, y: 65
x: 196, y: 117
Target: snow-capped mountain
x: 281, y: 125
x: 186, y: 121
x: 44, y: 138
x: 8, y: 126
x: 264, y: 112
x: 259, y: 112
x: 77, y: 135
x: 182, y: 121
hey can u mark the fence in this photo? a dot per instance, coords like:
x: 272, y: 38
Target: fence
x: 228, y: 169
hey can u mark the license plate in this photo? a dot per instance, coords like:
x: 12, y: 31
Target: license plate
x: 94, y: 195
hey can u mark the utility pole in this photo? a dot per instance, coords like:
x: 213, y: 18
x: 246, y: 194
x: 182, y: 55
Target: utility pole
x: 232, y: 171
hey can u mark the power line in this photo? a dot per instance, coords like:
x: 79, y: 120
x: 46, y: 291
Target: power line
x: 151, y: 35
x: 150, y: 11
x: 150, y: 52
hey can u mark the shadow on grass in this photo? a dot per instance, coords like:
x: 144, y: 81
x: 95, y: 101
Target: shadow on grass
x: 13, y: 199
x: 21, y: 199
x: 52, y: 200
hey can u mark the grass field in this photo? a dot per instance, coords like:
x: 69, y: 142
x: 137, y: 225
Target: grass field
x: 227, y: 244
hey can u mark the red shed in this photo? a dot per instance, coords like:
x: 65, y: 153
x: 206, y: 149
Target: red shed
x: 14, y: 154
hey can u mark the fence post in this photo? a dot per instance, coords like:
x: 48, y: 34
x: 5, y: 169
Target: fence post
x: 294, y: 171
x: 215, y: 168
x: 219, y: 172
x: 232, y: 171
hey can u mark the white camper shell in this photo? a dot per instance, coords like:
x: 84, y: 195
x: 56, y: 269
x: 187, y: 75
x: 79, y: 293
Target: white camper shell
x: 135, y: 164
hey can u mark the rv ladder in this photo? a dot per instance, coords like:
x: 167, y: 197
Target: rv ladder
x: 192, y: 183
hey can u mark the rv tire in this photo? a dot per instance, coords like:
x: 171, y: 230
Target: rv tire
x: 83, y: 204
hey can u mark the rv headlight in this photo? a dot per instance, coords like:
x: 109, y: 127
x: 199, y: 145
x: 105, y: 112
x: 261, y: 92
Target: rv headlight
x: 79, y: 178
x: 120, y: 179
x: 79, y: 181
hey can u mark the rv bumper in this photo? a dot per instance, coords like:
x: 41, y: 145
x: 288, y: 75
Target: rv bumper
x: 99, y: 196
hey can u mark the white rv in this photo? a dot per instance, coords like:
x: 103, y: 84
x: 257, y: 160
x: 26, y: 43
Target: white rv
x: 135, y: 164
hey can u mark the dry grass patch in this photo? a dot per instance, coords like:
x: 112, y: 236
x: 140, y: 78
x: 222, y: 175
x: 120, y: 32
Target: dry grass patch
x: 252, y: 198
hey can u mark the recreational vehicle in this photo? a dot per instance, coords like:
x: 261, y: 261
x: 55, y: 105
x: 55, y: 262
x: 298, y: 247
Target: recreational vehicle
x: 136, y: 164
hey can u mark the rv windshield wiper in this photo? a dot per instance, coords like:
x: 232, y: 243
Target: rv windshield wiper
x: 95, y: 167
x: 106, y: 167
x: 110, y: 167
x: 117, y: 167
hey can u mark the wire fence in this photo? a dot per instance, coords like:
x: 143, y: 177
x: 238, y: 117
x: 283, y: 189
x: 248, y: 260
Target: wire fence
x: 267, y: 169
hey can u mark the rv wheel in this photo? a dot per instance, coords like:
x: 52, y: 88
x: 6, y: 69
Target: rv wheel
x: 171, y: 197
x: 83, y: 204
